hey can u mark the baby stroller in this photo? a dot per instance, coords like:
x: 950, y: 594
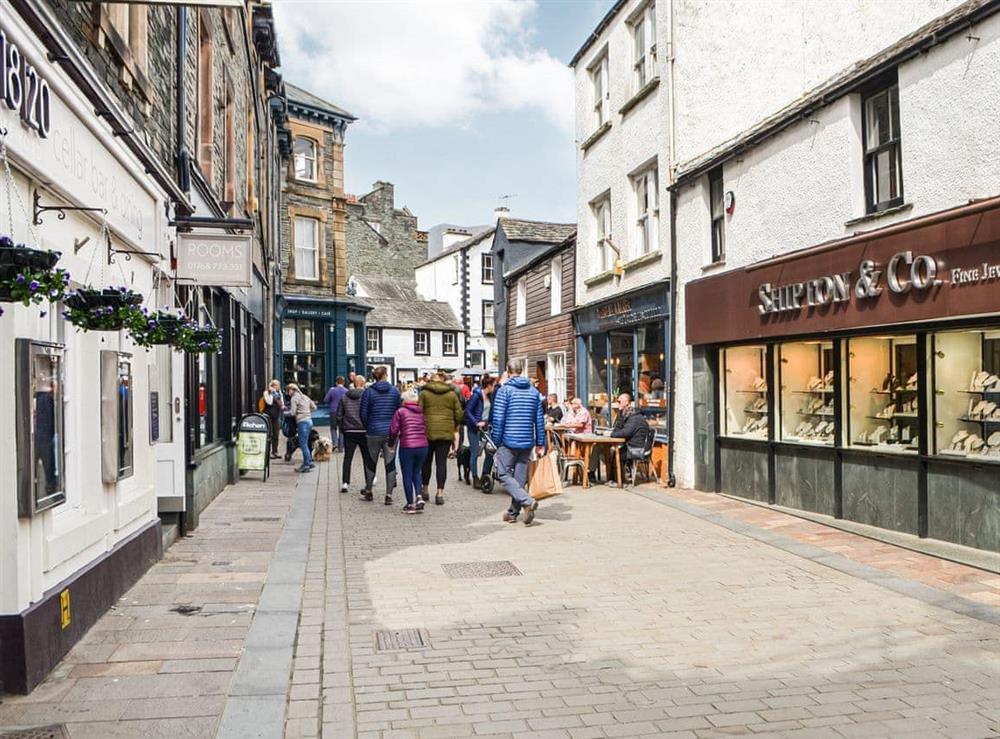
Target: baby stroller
x: 487, y: 449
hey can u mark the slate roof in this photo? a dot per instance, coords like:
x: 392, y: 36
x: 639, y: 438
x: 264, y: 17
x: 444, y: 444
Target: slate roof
x: 397, y: 304
x: 538, y: 231
x: 298, y: 95
x: 459, y: 245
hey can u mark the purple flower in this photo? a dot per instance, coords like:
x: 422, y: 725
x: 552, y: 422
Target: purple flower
x: 20, y: 279
x: 33, y: 286
x: 6, y: 242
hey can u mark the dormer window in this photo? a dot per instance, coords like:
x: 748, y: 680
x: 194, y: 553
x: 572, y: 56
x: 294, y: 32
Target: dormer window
x: 304, y: 151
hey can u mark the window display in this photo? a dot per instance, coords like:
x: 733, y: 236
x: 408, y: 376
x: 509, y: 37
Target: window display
x: 882, y: 393
x: 967, y: 393
x: 807, y: 379
x: 745, y: 393
x: 597, y: 380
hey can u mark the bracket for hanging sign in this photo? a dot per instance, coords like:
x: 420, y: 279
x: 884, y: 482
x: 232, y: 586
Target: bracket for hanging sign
x: 190, y: 222
x: 129, y: 253
x: 38, y: 209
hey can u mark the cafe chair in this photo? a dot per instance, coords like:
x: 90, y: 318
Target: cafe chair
x: 567, y: 459
x: 637, y: 457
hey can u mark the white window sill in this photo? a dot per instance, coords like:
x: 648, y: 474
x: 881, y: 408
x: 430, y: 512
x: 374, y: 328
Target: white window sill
x: 596, y: 135
x: 647, y: 258
x: 639, y: 96
x: 599, y: 278
x: 869, y: 217
x: 713, y: 266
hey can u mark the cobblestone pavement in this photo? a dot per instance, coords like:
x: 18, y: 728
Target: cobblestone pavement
x: 632, y: 615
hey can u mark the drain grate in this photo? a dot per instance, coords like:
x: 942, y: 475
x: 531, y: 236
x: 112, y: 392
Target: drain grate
x: 261, y: 518
x: 458, y: 570
x: 390, y: 640
x: 53, y: 731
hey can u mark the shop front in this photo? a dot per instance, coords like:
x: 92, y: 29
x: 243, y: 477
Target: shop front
x: 623, y: 346
x: 860, y: 379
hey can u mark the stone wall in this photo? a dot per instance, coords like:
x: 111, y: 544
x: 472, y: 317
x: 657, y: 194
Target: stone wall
x: 396, y: 248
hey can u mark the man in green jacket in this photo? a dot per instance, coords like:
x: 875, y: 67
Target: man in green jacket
x: 444, y: 415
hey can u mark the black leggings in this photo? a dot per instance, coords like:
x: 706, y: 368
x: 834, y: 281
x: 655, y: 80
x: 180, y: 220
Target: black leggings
x: 437, y: 452
x: 353, y: 441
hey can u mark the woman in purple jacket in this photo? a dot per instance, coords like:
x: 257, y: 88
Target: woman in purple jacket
x: 410, y: 427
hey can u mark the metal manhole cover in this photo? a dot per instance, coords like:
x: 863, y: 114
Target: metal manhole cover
x: 389, y: 640
x: 54, y: 731
x: 457, y: 570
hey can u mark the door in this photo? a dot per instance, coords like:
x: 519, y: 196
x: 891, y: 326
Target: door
x: 557, y: 375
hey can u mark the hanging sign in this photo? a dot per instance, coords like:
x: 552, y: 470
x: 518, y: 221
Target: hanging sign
x: 214, y: 259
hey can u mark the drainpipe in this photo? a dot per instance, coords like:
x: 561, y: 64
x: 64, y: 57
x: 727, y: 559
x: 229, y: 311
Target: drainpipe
x: 183, y: 169
x: 671, y: 169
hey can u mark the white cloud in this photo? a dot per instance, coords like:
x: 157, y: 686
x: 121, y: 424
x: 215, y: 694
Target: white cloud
x: 403, y: 64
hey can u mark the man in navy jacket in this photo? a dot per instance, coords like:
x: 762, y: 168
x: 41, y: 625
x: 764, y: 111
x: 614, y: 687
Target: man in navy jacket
x: 518, y: 427
x: 378, y: 405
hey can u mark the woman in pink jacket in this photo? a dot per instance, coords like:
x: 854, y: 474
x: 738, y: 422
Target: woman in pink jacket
x: 410, y: 427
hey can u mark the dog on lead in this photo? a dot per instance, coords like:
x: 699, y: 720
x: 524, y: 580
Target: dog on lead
x: 323, y: 451
x: 465, y: 465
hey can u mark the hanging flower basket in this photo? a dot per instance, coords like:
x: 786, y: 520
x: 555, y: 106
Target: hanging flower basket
x: 201, y: 340
x: 160, y: 328
x: 107, y: 309
x: 28, y: 275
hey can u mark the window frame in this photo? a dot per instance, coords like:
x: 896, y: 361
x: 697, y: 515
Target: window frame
x: 647, y: 222
x: 368, y: 339
x: 643, y: 22
x: 886, y: 86
x: 453, y: 335
x: 555, y: 285
x: 717, y: 221
x: 489, y: 330
x: 486, y: 266
x: 599, y: 92
x: 296, y: 262
x: 205, y: 113
x: 521, y: 301
x: 456, y: 268
x: 417, y: 332
x: 314, y: 159
x: 601, y: 211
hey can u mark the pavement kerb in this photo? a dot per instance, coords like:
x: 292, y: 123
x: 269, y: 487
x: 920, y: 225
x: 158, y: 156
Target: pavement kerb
x: 919, y: 591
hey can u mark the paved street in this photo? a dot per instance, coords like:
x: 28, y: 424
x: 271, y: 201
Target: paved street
x: 628, y: 614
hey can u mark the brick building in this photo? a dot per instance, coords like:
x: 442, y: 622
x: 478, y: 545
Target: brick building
x: 381, y: 238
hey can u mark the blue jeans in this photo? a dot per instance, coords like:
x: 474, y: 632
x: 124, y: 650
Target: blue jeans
x: 512, y: 467
x: 411, y: 461
x: 304, y: 428
x: 473, y: 434
x: 336, y: 435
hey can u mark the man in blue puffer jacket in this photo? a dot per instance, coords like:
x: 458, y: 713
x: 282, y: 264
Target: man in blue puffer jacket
x: 518, y: 426
x: 378, y: 405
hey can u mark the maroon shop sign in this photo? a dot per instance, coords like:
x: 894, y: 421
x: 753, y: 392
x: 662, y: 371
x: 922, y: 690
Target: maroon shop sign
x: 946, y: 265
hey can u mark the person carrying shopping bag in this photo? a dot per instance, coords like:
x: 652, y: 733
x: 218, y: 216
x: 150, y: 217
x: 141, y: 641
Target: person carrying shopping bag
x: 409, y: 428
x: 444, y: 415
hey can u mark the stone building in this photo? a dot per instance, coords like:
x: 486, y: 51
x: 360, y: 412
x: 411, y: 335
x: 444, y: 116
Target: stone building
x: 381, y: 238
x: 321, y: 326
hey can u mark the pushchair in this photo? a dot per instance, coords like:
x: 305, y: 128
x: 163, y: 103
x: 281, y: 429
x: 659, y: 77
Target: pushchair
x: 487, y: 449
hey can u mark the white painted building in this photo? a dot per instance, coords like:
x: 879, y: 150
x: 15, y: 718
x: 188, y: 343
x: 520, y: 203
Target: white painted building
x: 407, y: 334
x: 462, y: 275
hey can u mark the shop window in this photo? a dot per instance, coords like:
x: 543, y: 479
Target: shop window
x: 374, y: 342
x: 597, y: 375
x: 306, y: 259
x: 350, y: 331
x: 477, y: 359
x: 304, y: 153
x: 883, y: 160
x: 601, y: 94
x: 651, y: 387
x: 39, y: 420
x: 601, y: 210
x: 487, y: 269
x: 745, y: 395
x: 206, y: 97
x: 421, y: 343
x: 555, y: 286
x: 303, y: 349
x: 489, y: 328
x: 882, y: 397
x: 117, y: 402
x: 622, y: 363
x: 647, y: 208
x: 644, y: 46
x: 807, y: 378
x: 521, y: 302
x: 717, y: 205
x: 449, y: 343
x: 967, y: 393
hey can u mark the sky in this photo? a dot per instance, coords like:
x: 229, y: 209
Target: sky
x: 459, y: 102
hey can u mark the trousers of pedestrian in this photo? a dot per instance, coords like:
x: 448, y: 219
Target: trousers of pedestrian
x: 353, y: 442
x: 474, y: 453
x: 380, y: 445
x: 304, y: 428
x: 512, y: 467
x: 275, y: 433
x: 336, y: 436
x: 411, y: 461
x: 437, y: 453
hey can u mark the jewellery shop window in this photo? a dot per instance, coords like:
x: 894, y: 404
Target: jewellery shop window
x: 882, y: 394
x: 967, y: 394
x: 745, y: 392
x: 807, y: 382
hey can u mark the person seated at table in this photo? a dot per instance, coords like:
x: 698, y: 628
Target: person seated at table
x: 553, y: 411
x: 632, y: 428
x: 577, y: 419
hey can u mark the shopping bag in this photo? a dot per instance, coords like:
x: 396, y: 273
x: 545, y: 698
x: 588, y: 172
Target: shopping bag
x: 545, y: 481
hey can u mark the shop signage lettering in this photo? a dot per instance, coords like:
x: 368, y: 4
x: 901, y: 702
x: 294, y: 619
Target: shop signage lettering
x: 617, y: 308
x: 23, y: 89
x: 985, y: 272
x: 214, y: 259
x: 903, y: 273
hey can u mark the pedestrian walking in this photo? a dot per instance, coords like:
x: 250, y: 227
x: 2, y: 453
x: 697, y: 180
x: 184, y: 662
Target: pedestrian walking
x: 409, y: 428
x: 274, y: 408
x: 443, y: 411
x: 302, y: 406
x: 518, y: 427
x: 379, y: 404
x: 353, y: 429
x: 475, y: 419
x: 332, y: 399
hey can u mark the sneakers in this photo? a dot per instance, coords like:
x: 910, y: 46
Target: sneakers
x: 419, y: 505
x: 529, y: 512
x: 304, y: 468
x: 366, y: 496
x: 409, y: 508
x: 343, y: 488
x: 509, y: 517
x: 388, y: 500
x: 438, y: 500
x: 425, y: 495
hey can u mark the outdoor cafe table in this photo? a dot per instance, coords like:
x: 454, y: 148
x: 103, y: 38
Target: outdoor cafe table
x: 588, y: 442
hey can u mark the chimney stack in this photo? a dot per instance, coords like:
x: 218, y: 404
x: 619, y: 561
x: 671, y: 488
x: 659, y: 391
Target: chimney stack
x: 501, y: 211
